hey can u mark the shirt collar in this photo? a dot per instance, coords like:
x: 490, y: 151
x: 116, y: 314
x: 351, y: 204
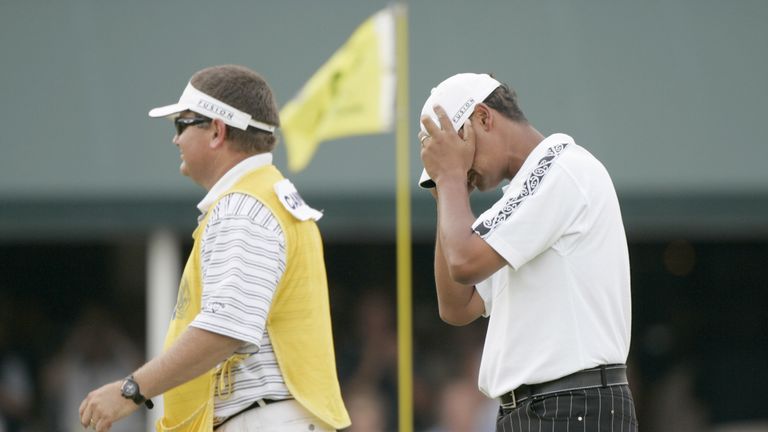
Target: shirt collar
x: 231, y: 177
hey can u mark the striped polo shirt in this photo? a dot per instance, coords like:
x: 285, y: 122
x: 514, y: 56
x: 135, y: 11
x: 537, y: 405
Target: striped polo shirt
x: 243, y: 257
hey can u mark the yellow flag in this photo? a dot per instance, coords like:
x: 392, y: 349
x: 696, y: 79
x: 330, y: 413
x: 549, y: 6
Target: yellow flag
x: 353, y: 93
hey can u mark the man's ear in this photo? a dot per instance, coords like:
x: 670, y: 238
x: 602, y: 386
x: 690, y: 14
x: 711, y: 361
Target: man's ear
x: 483, y: 117
x: 219, y: 133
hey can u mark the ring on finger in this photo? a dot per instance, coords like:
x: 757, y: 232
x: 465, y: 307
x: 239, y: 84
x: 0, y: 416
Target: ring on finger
x: 423, y: 138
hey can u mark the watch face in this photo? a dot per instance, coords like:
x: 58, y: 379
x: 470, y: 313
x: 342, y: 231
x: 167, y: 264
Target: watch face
x: 129, y: 389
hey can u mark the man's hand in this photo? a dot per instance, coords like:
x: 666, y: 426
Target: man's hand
x: 444, y: 153
x: 104, y: 406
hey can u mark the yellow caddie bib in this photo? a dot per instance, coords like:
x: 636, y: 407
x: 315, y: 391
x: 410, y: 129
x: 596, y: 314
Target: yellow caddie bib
x: 298, y: 323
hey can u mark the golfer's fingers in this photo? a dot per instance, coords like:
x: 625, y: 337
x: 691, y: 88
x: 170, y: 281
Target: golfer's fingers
x: 422, y: 136
x: 85, y: 414
x: 103, y: 426
x: 442, y: 117
x: 429, y: 125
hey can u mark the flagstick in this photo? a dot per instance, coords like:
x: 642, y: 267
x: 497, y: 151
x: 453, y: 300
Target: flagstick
x: 403, y: 205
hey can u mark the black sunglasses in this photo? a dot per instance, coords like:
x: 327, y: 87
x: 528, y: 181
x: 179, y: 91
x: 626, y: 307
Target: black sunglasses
x: 182, y: 123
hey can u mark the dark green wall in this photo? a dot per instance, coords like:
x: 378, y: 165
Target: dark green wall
x: 670, y: 95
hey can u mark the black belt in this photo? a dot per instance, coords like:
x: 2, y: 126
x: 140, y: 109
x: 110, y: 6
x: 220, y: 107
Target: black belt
x: 601, y: 376
x: 258, y: 403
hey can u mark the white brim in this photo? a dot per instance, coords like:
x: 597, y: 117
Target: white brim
x: 425, y: 182
x: 167, y: 110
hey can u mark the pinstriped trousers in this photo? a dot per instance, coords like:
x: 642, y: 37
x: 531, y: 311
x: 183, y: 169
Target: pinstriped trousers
x: 609, y: 409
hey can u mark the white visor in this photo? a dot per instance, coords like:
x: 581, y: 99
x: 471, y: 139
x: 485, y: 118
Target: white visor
x: 194, y: 100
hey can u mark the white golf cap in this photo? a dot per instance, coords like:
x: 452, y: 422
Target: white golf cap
x: 458, y: 96
x: 194, y: 100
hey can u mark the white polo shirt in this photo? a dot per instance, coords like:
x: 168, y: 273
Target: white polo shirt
x: 563, y: 302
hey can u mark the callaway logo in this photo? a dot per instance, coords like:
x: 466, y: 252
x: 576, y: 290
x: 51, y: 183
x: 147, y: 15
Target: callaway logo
x: 294, y: 203
x: 209, y: 106
x: 294, y: 200
x: 462, y: 110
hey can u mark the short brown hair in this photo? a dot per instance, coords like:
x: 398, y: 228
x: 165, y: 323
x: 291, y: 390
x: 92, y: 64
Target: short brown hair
x: 247, y: 91
x: 504, y: 100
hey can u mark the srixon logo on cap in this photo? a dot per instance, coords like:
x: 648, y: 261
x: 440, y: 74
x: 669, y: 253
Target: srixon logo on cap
x: 209, y: 106
x: 463, y: 109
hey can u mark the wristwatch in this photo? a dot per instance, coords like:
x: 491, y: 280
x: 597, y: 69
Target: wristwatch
x: 130, y: 390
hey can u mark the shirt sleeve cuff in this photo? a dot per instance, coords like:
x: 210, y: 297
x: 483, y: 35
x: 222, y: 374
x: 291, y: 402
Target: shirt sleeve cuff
x: 514, y: 259
x: 204, y: 322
